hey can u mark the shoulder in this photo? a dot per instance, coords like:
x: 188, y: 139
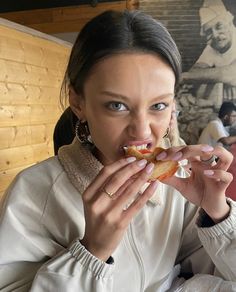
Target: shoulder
x: 208, y: 56
x: 215, y: 123
x: 32, y: 185
x: 42, y: 172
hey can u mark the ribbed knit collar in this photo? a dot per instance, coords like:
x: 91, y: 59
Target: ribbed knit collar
x: 80, y: 164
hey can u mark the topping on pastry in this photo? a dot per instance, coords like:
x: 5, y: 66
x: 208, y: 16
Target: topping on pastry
x: 162, y: 169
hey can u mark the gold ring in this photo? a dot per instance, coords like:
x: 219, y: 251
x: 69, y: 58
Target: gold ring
x: 212, y: 159
x: 110, y: 194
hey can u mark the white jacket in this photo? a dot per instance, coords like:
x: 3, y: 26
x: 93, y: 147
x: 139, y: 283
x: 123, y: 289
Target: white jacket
x: 42, y: 221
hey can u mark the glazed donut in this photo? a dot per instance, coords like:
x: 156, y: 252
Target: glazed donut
x: 162, y: 169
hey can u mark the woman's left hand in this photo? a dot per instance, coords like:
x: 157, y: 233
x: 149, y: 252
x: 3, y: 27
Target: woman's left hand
x: 207, y: 182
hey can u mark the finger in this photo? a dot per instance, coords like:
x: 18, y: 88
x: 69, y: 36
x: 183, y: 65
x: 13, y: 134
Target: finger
x: 110, y: 181
x: 105, y: 172
x: 140, y: 201
x: 185, y: 152
x: 115, y: 181
x: 201, y: 152
x: 219, y: 176
x: 133, y: 189
x: 225, y: 158
x: 124, y: 187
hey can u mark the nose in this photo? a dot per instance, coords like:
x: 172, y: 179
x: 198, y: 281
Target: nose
x: 215, y: 33
x: 139, y: 127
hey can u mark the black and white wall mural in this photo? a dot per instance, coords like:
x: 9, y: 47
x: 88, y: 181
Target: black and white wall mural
x: 205, y: 33
x: 212, y: 78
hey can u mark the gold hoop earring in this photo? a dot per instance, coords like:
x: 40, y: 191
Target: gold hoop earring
x: 167, y: 133
x: 82, y: 132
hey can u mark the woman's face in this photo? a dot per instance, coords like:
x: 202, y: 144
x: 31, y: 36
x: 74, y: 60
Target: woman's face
x: 128, y: 100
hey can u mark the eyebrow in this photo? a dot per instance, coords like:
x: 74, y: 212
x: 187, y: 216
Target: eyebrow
x: 125, y: 98
x: 113, y: 94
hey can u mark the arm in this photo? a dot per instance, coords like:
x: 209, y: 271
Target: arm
x: 74, y: 270
x: 202, y: 73
x: 228, y: 140
x: 209, y: 250
x: 205, y: 187
x: 28, y: 246
x: 219, y: 241
x: 42, y: 200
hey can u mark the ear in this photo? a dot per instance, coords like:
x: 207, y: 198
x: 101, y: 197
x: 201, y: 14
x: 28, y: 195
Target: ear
x: 226, y: 117
x: 77, y: 104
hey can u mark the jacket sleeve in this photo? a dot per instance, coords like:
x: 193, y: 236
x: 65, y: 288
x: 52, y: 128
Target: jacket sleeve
x: 74, y: 270
x: 220, y: 243
x: 210, y: 250
x: 31, y: 259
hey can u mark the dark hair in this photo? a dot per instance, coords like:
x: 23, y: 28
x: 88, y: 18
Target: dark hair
x: 115, y: 32
x: 226, y: 108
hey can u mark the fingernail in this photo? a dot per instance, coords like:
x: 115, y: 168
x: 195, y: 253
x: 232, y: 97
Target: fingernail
x: 177, y: 156
x: 155, y: 185
x: 130, y: 159
x: 149, y: 167
x: 161, y: 156
x: 142, y: 163
x: 207, y: 148
x: 208, y: 172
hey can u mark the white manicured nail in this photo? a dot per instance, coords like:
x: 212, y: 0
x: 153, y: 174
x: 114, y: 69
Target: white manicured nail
x: 130, y: 159
x: 149, y: 167
x: 161, y: 156
x: 207, y: 148
x: 142, y: 163
x: 177, y: 156
x: 155, y: 185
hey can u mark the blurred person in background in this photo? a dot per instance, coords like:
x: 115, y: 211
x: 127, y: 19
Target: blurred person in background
x: 217, y: 131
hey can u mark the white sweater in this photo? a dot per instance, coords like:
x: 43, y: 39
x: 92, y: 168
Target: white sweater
x: 42, y: 221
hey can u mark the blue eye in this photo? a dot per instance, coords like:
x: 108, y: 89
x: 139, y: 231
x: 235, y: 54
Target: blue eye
x: 159, y: 106
x: 117, y: 106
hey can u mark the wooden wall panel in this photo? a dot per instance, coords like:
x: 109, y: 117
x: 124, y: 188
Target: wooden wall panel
x: 62, y: 19
x: 25, y: 135
x: 32, y: 69
x: 21, y: 94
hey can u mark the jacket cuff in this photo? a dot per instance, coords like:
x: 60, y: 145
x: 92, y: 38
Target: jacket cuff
x: 98, y: 267
x: 215, y: 230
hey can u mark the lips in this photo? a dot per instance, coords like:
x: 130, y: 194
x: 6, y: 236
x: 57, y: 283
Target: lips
x: 142, y: 147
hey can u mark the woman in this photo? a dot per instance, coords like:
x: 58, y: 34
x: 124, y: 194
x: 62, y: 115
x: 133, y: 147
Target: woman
x: 88, y: 220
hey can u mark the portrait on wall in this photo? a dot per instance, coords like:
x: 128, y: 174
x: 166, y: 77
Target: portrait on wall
x: 211, y: 79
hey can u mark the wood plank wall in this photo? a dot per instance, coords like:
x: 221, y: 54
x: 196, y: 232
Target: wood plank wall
x: 64, y: 19
x: 32, y: 68
x: 31, y: 74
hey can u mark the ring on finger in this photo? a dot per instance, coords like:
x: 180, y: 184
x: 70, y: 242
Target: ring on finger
x: 109, y: 194
x: 212, y: 159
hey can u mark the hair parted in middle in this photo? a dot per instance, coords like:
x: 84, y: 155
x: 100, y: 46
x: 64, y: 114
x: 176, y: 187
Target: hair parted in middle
x: 115, y: 32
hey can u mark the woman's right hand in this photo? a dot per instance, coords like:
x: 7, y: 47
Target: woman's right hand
x: 106, y: 217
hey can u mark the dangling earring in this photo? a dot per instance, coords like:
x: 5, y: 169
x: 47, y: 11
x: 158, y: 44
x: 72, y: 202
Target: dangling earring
x: 82, y: 132
x: 167, y: 133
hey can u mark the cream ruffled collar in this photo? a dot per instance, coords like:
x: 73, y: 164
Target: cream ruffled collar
x: 82, y: 167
